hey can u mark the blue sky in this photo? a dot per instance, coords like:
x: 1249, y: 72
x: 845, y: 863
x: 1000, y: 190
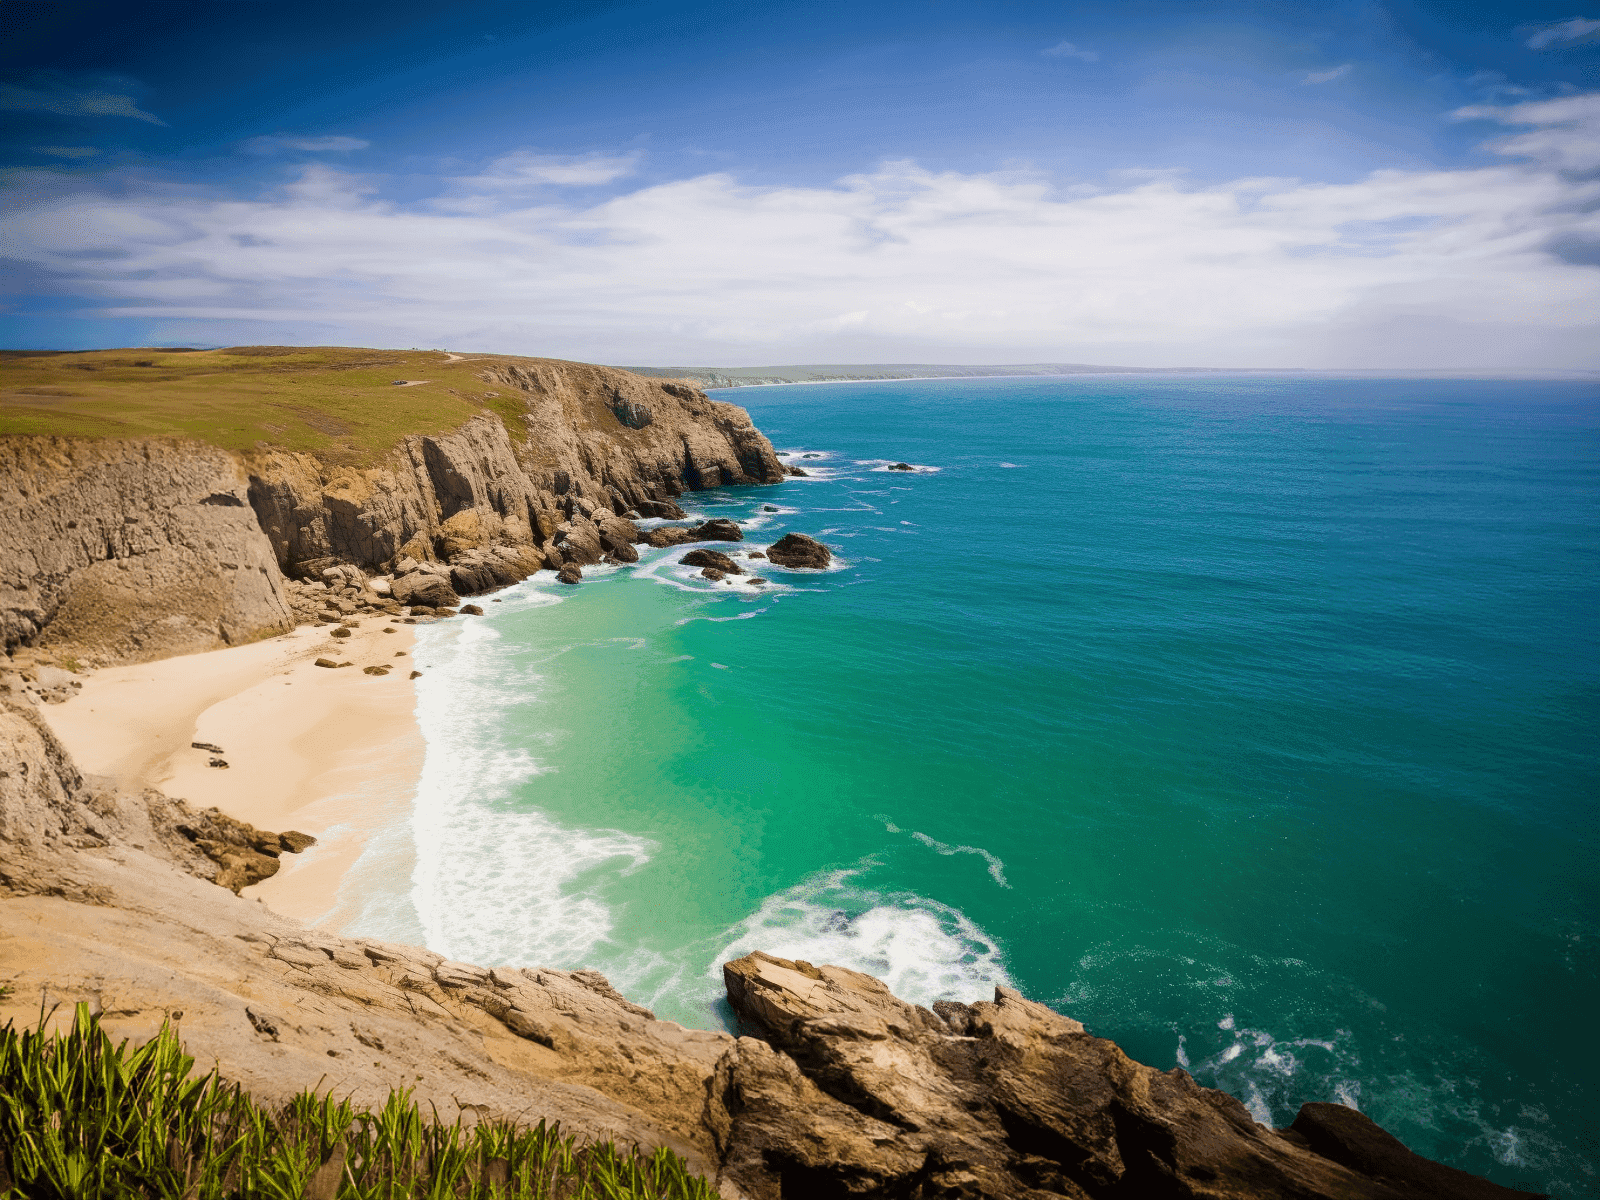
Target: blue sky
x: 1157, y: 183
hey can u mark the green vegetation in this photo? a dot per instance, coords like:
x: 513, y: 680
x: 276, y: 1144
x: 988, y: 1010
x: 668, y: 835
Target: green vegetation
x: 81, y: 1119
x: 338, y: 403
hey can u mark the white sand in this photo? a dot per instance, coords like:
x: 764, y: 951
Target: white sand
x: 333, y: 753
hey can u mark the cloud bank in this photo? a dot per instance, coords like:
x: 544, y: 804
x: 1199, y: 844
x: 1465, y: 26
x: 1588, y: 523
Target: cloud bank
x: 1491, y: 266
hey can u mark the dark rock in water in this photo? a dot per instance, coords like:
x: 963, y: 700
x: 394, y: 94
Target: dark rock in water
x: 571, y: 573
x: 471, y: 610
x: 811, y: 456
x: 798, y: 550
x: 444, y: 612
x: 624, y: 553
x: 755, y: 554
x: 714, y: 559
x: 769, y: 508
x: 1357, y: 1141
x: 718, y: 530
x: 853, y: 1092
x: 902, y: 467
x: 206, y: 746
x: 757, y: 581
x: 799, y: 471
x: 661, y: 509
x: 714, y: 575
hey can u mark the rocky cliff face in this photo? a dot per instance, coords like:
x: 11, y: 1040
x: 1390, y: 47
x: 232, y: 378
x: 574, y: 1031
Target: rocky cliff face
x: 842, y: 1090
x: 137, y: 550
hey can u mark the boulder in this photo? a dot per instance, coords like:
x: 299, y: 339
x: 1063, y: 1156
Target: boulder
x: 799, y: 471
x: 798, y: 550
x: 469, y: 610
x: 719, y: 529
x: 714, y: 575
x: 713, y: 559
x: 570, y: 573
x: 325, y: 662
x: 426, y: 589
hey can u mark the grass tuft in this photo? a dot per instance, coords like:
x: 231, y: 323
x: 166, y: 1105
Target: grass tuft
x: 81, y: 1117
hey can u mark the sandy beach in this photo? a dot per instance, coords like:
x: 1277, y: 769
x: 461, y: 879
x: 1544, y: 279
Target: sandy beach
x: 333, y: 753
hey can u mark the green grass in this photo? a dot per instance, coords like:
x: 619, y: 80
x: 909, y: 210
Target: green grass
x: 335, y: 402
x: 83, y: 1119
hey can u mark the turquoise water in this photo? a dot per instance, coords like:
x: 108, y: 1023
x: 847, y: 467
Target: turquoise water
x: 1249, y: 720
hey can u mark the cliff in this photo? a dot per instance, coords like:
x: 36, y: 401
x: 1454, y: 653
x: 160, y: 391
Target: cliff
x: 127, y: 549
x: 840, y: 1089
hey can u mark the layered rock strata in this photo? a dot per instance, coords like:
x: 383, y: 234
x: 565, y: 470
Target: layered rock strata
x: 841, y: 1089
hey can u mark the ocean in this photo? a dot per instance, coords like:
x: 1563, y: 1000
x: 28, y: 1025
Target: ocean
x: 1250, y: 720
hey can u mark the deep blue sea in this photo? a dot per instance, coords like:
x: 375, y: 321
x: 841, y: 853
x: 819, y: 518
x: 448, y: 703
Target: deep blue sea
x: 1250, y: 720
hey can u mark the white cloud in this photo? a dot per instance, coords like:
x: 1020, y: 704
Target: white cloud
x: 1566, y: 133
x: 1576, y: 30
x: 1068, y: 50
x: 1327, y: 76
x: 67, y: 151
x: 68, y: 102
x: 1476, y: 267
x: 313, y: 145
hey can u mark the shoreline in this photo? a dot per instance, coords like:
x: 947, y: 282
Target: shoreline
x: 333, y: 753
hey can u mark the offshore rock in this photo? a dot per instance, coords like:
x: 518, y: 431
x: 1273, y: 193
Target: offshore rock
x: 719, y: 529
x: 571, y: 573
x: 798, y: 550
x: 714, y: 559
x: 859, y: 1093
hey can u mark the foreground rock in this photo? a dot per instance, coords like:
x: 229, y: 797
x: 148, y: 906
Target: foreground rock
x: 855, y: 1092
x: 798, y: 550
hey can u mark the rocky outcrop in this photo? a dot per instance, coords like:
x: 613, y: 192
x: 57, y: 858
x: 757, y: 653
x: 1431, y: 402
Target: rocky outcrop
x: 798, y: 550
x: 132, y: 551
x: 594, y: 443
x: 851, y: 1091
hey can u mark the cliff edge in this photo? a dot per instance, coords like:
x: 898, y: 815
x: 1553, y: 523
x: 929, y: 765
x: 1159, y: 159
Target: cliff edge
x: 121, y: 547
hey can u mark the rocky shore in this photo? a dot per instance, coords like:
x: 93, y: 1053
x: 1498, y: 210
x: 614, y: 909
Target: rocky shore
x: 130, y: 900
x: 836, y: 1088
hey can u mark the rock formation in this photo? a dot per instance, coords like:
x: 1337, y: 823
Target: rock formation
x: 712, y: 559
x: 798, y: 550
x: 840, y: 1090
x: 135, y: 550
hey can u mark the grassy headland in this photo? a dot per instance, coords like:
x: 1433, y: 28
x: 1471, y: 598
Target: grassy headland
x: 339, y: 403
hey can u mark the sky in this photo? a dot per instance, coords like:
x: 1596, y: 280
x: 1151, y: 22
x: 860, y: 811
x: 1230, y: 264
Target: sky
x: 1348, y: 184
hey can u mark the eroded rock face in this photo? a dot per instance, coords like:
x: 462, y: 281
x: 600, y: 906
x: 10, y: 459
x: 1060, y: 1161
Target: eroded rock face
x: 861, y: 1094
x: 132, y: 550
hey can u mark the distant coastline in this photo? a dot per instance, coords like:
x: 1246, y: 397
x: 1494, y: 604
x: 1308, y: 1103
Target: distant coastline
x: 739, y: 377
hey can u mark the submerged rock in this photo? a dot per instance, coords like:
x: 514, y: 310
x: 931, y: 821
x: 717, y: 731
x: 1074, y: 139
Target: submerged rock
x: 798, y: 550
